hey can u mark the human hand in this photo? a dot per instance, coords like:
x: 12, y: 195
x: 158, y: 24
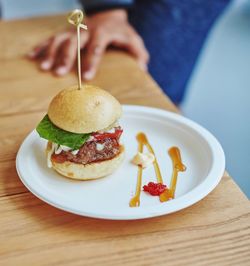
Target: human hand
x: 58, y: 53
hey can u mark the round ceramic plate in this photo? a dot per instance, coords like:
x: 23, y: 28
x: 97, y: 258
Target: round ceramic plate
x: 109, y: 197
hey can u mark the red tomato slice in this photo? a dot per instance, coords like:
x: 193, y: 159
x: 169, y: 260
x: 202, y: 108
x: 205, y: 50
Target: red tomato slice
x: 107, y: 135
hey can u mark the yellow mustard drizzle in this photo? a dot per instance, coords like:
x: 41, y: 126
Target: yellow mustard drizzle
x: 178, y: 166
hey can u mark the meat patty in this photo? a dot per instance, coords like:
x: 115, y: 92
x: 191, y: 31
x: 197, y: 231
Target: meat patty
x: 89, y: 153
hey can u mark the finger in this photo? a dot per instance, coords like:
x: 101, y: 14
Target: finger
x: 136, y: 47
x: 68, y: 53
x: 38, y: 50
x: 51, y: 51
x: 93, y: 55
x: 134, y: 44
x: 67, y: 57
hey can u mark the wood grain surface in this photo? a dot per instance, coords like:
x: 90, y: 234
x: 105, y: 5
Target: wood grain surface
x: 215, y: 231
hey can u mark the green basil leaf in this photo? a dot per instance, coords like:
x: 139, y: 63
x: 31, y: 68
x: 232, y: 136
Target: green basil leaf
x: 47, y: 130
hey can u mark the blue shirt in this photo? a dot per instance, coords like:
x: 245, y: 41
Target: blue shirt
x: 95, y: 5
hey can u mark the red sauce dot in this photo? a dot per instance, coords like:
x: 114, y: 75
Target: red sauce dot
x: 154, y: 189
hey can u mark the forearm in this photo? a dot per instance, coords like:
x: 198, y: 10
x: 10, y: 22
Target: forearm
x: 91, y: 6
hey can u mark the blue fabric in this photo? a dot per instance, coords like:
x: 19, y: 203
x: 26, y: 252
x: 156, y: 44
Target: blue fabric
x: 90, y: 5
x: 174, y: 32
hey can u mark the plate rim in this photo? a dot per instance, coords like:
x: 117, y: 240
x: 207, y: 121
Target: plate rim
x: 181, y: 202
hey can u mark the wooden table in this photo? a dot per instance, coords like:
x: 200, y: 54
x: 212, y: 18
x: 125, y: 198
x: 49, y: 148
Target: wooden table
x: 214, y: 231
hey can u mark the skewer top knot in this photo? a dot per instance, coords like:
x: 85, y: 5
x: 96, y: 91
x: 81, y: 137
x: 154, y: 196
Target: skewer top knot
x: 76, y: 17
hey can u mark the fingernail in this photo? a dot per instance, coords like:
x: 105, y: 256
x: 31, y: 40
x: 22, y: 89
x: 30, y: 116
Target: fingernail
x: 143, y: 66
x: 62, y: 70
x: 45, y: 65
x: 88, y: 75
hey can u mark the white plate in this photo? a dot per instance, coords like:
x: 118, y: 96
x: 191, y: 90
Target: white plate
x: 109, y: 197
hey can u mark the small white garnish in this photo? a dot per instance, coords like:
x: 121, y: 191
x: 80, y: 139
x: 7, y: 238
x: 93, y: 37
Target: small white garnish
x: 75, y: 152
x: 61, y: 148
x: 99, y: 146
x: 58, y: 150
x: 91, y: 138
x: 143, y: 159
x: 65, y: 148
x: 112, y: 130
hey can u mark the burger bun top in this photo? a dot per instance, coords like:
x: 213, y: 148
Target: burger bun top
x: 84, y: 110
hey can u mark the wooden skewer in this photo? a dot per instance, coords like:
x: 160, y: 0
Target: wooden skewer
x: 75, y: 18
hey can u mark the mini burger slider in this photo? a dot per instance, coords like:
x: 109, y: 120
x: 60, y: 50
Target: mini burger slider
x: 83, y: 133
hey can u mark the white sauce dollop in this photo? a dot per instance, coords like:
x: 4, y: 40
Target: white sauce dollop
x: 143, y: 159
